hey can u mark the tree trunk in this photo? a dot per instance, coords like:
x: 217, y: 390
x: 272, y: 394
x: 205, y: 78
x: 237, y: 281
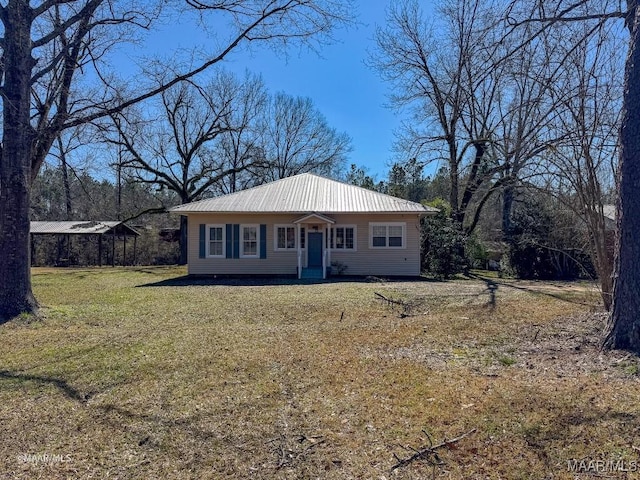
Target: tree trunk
x: 454, y: 193
x: 507, y: 209
x: 600, y: 252
x: 624, y: 324
x: 65, y: 180
x: 16, y: 295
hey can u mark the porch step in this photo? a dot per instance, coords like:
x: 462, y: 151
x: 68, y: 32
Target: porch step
x: 312, y: 273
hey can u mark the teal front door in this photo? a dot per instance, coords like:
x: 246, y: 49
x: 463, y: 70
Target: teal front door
x: 314, y: 250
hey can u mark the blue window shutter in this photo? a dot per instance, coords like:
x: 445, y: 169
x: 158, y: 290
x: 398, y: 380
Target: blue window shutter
x: 229, y: 240
x: 236, y: 241
x: 203, y: 240
x: 263, y: 241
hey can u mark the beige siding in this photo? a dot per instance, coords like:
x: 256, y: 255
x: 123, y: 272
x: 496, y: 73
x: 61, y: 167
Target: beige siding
x: 378, y: 261
x: 363, y: 261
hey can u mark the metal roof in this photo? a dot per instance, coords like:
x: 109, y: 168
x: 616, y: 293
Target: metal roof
x: 305, y: 193
x: 82, y: 228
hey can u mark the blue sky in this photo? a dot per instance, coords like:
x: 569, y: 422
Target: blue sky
x: 350, y: 94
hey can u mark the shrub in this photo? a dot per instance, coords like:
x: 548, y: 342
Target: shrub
x: 442, y: 243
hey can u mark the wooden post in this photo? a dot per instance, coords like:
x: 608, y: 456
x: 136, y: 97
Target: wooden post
x: 135, y: 245
x: 99, y: 249
x: 113, y: 248
x: 124, y: 249
x: 33, y: 248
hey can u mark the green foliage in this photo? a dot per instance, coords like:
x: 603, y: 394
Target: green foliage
x: 439, y: 185
x: 408, y: 181
x: 443, y: 243
x: 476, y: 252
x: 545, y: 244
x: 358, y: 176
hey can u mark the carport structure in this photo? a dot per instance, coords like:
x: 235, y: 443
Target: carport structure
x: 96, y: 229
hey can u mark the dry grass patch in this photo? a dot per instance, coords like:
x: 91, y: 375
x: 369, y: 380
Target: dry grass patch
x: 132, y: 374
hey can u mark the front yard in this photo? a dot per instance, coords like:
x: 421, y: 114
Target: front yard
x: 133, y: 374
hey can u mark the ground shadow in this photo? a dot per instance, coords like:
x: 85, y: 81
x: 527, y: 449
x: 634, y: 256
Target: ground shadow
x: 493, y: 285
x: 62, y: 385
x: 192, y: 280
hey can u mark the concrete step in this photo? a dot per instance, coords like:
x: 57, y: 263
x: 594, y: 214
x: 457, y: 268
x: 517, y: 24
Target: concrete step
x: 311, y: 273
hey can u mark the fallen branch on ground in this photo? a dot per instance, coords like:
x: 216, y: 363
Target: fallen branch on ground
x: 407, y: 306
x: 429, y: 454
x: 289, y: 449
x: 390, y: 301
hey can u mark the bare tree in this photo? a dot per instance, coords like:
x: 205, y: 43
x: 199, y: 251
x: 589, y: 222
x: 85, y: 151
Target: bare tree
x: 526, y: 107
x: 583, y: 165
x: 624, y: 325
x: 175, y: 149
x: 239, y: 150
x: 297, y: 139
x: 53, y: 54
x: 65, y: 144
x: 447, y: 81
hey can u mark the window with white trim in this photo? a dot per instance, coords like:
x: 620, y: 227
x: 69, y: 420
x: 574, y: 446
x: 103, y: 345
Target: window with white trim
x: 387, y: 235
x: 215, y: 241
x: 342, y: 237
x: 285, y: 237
x: 249, y: 241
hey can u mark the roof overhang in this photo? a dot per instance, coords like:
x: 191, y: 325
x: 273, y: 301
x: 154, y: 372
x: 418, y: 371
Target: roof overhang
x: 315, y: 218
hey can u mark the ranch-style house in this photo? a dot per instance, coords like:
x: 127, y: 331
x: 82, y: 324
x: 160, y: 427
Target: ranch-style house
x: 305, y: 225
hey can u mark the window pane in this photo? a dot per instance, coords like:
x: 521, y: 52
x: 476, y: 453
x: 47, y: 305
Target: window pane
x: 395, y: 241
x: 215, y: 241
x: 215, y: 248
x: 291, y: 237
x: 250, y: 241
x: 281, y: 237
x: 379, y: 231
x: 302, y: 233
x: 250, y: 248
x: 250, y: 233
x: 379, y: 241
x: 349, y: 238
x: 395, y: 231
x: 339, y: 237
x: 215, y: 234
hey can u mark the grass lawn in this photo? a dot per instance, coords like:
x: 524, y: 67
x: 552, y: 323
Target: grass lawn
x: 133, y: 374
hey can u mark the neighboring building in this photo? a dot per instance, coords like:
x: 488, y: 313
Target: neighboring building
x: 65, y: 255
x: 302, y: 225
x: 609, y: 212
